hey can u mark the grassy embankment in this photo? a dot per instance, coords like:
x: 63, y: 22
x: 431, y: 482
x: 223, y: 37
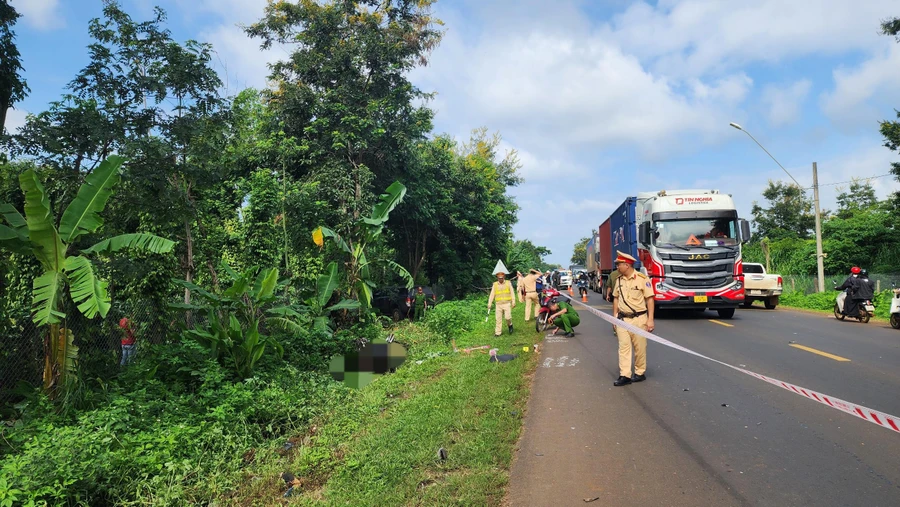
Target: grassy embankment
x: 381, y: 446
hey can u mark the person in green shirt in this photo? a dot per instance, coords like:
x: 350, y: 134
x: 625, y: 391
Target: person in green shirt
x: 562, y: 314
x: 420, y: 304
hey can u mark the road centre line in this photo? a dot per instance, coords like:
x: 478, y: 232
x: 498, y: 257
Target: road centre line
x: 819, y: 352
x: 714, y: 321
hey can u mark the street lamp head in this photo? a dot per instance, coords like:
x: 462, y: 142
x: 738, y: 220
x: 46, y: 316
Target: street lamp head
x: 735, y: 125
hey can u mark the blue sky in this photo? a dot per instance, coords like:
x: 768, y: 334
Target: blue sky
x: 601, y: 99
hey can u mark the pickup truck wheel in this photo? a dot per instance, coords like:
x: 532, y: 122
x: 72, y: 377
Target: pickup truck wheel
x: 396, y: 315
x: 771, y: 303
x: 895, y: 321
x: 726, y: 313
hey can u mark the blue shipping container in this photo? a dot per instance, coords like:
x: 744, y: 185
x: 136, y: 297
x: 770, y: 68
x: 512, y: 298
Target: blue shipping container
x: 623, y: 230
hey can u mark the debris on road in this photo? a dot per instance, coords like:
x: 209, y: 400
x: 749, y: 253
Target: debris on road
x: 724, y: 404
x: 589, y: 500
x: 685, y: 389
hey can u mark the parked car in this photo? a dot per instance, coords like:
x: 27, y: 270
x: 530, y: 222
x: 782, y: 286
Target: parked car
x: 398, y: 302
x: 761, y: 286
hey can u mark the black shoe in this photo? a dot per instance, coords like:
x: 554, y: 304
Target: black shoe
x: 510, y: 329
x: 570, y: 335
x: 622, y: 381
x: 638, y: 378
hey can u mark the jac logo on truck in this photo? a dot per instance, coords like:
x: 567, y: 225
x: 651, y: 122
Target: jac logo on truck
x: 693, y: 200
x: 697, y: 257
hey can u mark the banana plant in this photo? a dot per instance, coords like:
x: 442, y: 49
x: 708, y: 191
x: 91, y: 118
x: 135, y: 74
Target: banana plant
x: 37, y: 234
x: 355, y: 246
x: 239, y: 316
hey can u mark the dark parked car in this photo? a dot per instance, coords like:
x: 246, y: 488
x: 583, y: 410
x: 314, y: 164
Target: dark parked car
x: 397, y: 302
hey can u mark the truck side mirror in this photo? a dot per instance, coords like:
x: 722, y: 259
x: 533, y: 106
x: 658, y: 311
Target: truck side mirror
x: 644, y: 233
x: 745, y: 231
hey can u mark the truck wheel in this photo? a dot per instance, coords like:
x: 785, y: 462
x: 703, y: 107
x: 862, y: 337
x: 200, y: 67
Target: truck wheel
x: 771, y: 303
x: 895, y: 321
x: 726, y: 313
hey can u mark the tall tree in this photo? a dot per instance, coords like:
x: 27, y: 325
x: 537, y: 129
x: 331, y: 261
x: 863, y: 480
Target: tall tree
x: 789, y: 213
x: 13, y: 87
x: 156, y: 101
x: 859, y: 197
x: 344, y: 94
x: 579, y: 253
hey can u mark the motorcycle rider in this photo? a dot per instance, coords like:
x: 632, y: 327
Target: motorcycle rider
x: 851, y: 285
x: 866, y: 290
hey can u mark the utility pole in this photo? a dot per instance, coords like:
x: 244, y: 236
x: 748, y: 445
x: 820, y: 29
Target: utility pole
x: 820, y: 262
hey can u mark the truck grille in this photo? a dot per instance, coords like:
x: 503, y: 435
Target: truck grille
x: 695, y: 283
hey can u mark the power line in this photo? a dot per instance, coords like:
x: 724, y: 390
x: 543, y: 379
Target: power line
x: 852, y: 181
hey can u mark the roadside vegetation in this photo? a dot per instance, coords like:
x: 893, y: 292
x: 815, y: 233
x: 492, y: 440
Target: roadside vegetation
x: 246, y: 239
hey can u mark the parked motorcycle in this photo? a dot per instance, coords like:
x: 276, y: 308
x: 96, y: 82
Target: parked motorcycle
x: 866, y: 310
x: 895, y: 307
x: 541, y: 323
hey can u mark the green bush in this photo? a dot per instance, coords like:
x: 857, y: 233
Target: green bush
x: 452, y: 319
x: 825, y: 301
x: 173, y: 429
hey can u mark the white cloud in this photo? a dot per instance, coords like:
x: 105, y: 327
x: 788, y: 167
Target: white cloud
x: 784, y: 103
x: 40, y: 14
x: 689, y: 38
x: 850, y: 103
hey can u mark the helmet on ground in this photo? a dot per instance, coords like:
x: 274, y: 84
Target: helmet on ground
x: 855, y: 270
x: 864, y: 273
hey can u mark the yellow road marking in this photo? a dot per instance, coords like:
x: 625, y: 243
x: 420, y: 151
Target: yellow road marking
x: 814, y: 351
x: 721, y: 323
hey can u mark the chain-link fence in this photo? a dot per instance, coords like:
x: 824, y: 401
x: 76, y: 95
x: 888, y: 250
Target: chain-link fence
x: 99, y: 342
x: 808, y: 284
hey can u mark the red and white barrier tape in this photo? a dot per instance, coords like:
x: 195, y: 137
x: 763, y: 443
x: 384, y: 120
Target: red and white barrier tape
x: 882, y: 419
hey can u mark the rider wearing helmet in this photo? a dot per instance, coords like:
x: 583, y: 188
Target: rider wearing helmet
x: 851, y: 285
x: 866, y: 289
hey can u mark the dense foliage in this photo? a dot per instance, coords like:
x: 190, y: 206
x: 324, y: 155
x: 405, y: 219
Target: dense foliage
x: 269, y: 220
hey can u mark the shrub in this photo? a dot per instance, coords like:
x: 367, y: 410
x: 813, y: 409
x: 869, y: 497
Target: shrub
x: 452, y: 319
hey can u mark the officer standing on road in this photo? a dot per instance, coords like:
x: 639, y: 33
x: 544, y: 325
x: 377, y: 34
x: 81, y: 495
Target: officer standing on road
x: 502, y: 291
x: 633, y: 303
x: 529, y: 288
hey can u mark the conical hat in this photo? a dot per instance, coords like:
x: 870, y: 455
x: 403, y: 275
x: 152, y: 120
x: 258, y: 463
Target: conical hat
x: 501, y: 268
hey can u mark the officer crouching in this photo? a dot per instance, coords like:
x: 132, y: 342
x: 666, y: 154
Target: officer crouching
x: 633, y: 303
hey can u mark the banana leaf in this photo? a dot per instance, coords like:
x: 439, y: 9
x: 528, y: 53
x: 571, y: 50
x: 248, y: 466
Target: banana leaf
x: 48, y: 247
x: 82, y: 216
x: 134, y: 241
x: 45, y: 298
x: 88, y: 291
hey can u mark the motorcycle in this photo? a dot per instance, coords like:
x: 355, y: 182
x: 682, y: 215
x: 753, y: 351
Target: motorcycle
x: 542, y: 322
x: 866, y: 309
x: 895, y: 307
x: 582, y: 288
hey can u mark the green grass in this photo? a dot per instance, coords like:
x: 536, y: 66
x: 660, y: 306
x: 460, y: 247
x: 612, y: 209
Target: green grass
x: 381, y: 447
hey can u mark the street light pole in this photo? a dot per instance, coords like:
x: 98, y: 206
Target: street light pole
x: 820, y: 264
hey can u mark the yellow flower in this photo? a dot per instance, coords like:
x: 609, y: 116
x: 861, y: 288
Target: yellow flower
x: 318, y: 238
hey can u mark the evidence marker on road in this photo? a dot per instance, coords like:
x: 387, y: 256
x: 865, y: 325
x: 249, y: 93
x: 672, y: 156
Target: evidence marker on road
x: 819, y: 352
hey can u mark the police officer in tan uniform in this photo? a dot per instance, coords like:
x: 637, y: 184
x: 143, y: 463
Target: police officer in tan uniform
x: 529, y: 288
x: 503, y: 293
x: 633, y: 303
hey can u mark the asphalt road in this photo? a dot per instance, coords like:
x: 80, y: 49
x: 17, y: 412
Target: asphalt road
x: 700, y: 434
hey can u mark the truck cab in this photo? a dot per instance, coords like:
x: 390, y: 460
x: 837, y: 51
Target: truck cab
x: 689, y: 244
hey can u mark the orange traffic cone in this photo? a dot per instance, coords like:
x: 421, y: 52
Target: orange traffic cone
x: 571, y: 293
x: 584, y: 298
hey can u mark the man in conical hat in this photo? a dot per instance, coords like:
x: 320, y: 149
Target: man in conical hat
x: 503, y: 293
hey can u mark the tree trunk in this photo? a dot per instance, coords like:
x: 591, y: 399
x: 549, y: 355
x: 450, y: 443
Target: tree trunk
x: 188, y: 264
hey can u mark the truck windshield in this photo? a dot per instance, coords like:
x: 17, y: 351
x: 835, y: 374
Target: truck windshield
x: 688, y: 233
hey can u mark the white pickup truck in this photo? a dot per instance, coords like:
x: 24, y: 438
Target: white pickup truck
x: 761, y: 286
